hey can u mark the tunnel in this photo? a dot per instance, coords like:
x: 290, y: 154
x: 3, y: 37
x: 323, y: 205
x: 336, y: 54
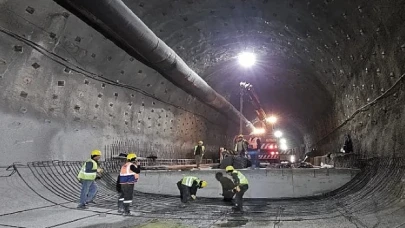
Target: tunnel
x: 155, y: 77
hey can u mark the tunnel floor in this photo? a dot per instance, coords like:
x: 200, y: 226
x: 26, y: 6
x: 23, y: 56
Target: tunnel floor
x: 374, y: 198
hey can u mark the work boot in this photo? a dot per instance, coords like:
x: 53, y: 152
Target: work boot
x: 127, y: 212
x: 120, y: 207
x: 90, y: 202
x: 82, y: 206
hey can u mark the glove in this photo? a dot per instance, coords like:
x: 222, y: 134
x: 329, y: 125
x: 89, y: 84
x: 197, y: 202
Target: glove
x: 237, y: 189
x: 194, y: 197
x: 100, y: 170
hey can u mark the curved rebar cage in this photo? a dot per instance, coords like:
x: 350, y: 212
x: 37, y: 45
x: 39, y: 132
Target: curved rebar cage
x: 368, y: 192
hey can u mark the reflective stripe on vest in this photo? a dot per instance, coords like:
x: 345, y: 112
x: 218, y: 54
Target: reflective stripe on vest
x: 242, y: 179
x: 188, y: 181
x: 253, y: 143
x: 202, y: 149
x: 127, y: 175
x: 88, y: 176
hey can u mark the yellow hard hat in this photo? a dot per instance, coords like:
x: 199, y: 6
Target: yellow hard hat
x: 200, y: 142
x: 131, y: 156
x: 203, y: 184
x: 96, y: 153
x: 229, y: 168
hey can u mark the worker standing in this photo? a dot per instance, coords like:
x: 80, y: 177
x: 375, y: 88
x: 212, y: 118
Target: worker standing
x: 188, y: 186
x: 123, y: 160
x: 129, y: 175
x: 199, y: 151
x: 241, y: 146
x: 242, y: 185
x: 87, y: 176
x: 254, y: 150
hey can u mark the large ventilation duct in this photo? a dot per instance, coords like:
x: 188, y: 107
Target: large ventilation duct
x: 115, y: 20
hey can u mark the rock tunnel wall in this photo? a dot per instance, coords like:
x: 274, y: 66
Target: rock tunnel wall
x: 368, y: 79
x: 65, y: 90
x: 355, y: 50
x: 321, y: 61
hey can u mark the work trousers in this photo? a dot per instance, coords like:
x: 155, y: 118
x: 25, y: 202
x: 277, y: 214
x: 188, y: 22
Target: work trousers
x: 127, y: 193
x: 184, y: 192
x: 125, y: 200
x: 88, y: 191
x: 228, y: 195
x: 239, y: 197
x: 198, y: 160
x: 254, y: 154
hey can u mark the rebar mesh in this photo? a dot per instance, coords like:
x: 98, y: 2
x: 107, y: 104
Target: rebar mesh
x: 375, y: 188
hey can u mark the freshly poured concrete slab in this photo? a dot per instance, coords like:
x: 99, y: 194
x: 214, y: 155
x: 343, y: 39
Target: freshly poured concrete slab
x: 263, y: 183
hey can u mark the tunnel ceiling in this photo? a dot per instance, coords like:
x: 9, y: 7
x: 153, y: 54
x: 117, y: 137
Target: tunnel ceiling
x: 307, y: 50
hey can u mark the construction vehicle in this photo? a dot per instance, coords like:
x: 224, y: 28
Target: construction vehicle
x: 269, y: 150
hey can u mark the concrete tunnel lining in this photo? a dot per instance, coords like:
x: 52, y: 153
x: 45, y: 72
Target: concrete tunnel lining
x: 321, y: 61
x: 263, y: 184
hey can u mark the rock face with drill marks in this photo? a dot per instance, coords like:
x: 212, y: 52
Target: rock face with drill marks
x: 66, y: 90
x: 327, y: 68
x: 319, y: 62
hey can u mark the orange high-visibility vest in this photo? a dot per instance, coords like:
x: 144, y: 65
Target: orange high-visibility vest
x: 253, y: 143
x: 127, y: 176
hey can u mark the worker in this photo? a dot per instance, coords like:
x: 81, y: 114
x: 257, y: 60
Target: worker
x: 348, y: 145
x: 188, y: 186
x: 241, y: 186
x: 241, y: 146
x: 123, y: 160
x: 223, y: 153
x: 199, y: 151
x: 254, y: 150
x: 127, y: 178
x: 89, y: 172
x: 228, y: 187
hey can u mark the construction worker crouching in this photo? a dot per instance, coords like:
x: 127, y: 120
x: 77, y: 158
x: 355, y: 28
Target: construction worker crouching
x: 242, y: 185
x: 188, y: 186
x: 129, y: 175
x: 87, y: 176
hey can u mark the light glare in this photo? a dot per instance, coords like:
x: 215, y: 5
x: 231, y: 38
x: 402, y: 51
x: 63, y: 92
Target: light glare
x: 246, y: 59
x: 283, y: 147
x: 271, y: 119
x: 278, y: 134
x: 283, y: 141
x: 292, y: 159
x: 258, y: 131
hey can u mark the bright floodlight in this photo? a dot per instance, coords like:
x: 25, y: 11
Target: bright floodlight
x: 278, y: 134
x: 258, y: 131
x: 246, y: 59
x: 292, y: 158
x: 283, y: 141
x: 271, y: 119
x: 283, y: 147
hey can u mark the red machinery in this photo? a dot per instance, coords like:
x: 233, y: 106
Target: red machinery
x: 269, y: 150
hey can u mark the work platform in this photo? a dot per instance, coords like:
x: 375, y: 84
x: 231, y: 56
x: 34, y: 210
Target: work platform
x: 45, y: 194
x: 263, y: 183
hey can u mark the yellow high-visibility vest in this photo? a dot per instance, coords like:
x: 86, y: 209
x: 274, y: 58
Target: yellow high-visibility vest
x: 88, y: 176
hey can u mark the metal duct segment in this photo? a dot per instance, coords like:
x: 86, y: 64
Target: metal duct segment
x: 118, y: 21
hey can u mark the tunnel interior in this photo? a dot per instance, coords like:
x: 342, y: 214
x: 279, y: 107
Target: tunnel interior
x: 326, y: 68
